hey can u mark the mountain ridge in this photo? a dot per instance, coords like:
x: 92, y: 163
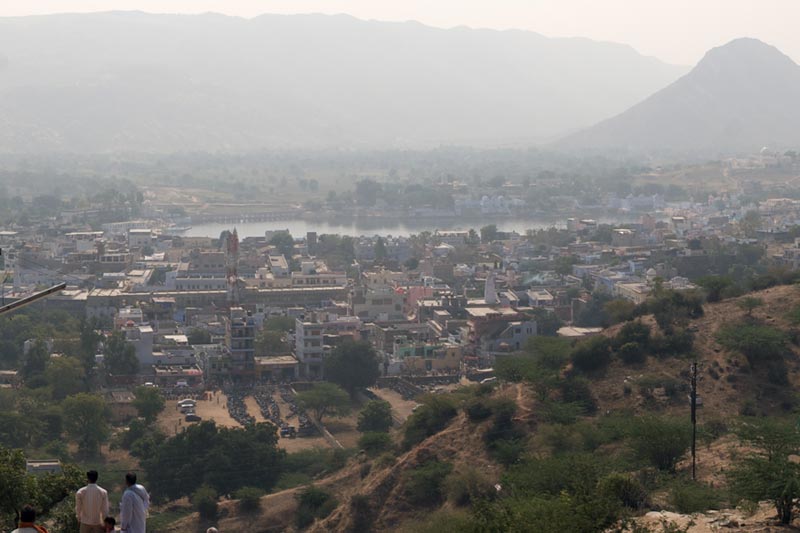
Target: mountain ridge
x: 738, y: 98
x: 132, y: 81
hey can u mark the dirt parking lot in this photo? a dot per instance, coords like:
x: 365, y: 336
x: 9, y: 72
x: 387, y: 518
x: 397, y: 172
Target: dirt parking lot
x: 172, y: 420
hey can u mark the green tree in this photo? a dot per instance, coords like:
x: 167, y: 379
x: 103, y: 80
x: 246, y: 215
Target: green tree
x: 214, y: 456
x: 249, y: 498
x: 750, y: 223
x: 269, y: 342
x: 204, y: 499
x: 714, y: 286
x: 85, y: 421
x: 767, y: 472
x: 353, y: 365
x: 279, y: 323
x: 488, y: 233
x: 324, y: 399
x: 148, y: 403
x: 44, y: 492
x: 592, y: 355
x: 380, y: 249
x: 749, y: 304
x: 119, y: 355
x: 199, y: 336
x: 35, y: 360
x: 661, y: 441
x: 376, y: 416
x: 66, y: 376
x: 284, y: 243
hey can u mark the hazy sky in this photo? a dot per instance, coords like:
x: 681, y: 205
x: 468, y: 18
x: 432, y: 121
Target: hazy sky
x: 678, y: 31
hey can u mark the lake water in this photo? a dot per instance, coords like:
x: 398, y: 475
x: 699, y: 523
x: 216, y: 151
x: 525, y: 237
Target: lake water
x: 378, y: 226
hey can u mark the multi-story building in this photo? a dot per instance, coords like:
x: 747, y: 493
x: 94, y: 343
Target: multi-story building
x: 309, y: 348
x: 240, y: 333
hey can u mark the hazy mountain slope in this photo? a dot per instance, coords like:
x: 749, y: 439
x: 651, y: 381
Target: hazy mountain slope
x: 740, y: 97
x: 133, y: 81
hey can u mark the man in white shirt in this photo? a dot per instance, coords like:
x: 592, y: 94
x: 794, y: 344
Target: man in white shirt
x: 133, y: 507
x: 91, y: 505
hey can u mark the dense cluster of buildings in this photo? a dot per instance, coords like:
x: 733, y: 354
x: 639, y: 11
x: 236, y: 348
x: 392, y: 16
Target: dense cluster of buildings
x: 194, y: 309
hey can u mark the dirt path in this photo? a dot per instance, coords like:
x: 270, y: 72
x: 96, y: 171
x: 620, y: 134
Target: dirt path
x: 253, y: 409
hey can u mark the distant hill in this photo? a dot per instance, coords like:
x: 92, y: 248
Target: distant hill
x: 740, y: 97
x: 133, y: 81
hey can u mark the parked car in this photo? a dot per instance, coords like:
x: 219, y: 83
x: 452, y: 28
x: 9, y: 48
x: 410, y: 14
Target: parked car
x: 193, y: 417
x: 288, y: 432
x: 187, y: 401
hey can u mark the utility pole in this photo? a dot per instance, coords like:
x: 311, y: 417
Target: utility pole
x: 693, y: 399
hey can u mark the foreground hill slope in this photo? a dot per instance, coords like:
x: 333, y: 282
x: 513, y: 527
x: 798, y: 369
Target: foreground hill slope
x: 140, y: 82
x: 740, y: 97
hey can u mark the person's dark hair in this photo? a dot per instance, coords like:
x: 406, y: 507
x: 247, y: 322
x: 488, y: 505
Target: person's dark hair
x: 28, y: 514
x: 91, y: 475
x: 130, y: 478
x: 110, y: 520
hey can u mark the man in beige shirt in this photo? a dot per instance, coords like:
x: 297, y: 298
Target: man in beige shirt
x: 91, y: 505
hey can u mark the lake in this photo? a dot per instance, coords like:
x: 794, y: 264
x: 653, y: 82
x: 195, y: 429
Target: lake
x: 381, y: 226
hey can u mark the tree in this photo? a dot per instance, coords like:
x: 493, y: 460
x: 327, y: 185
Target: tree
x: 380, y: 249
x: 18, y: 488
x: 715, y: 286
x: 661, y: 441
x: 249, y: 498
x: 89, y: 339
x: 353, y: 365
x: 204, y: 499
x: 324, y: 399
x: 120, y: 356
x: 199, y: 336
x: 488, y: 233
x: 592, y: 355
x: 376, y: 416
x: 225, y: 459
x: 66, y: 376
x: 35, y: 360
x: 767, y: 473
x: 749, y: 303
x: 279, y: 323
x: 284, y: 242
x: 270, y: 343
x: 85, y: 421
x: 148, y: 403
x: 412, y: 263
x: 750, y: 223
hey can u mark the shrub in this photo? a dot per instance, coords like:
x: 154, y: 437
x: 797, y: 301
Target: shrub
x: 312, y: 503
x: 478, y: 409
x: 592, y: 355
x: 631, y: 353
x: 577, y: 390
x: 249, y: 498
x: 661, y: 441
x: 692, y: 497
x: 384, y: 460
x: 375, y: 442
x: 633, y: 332
x: 361, y: 512
x: 204, y: 499
x: 424, y: 485
x: 441, y: 521
x: 431, y: 417
x: 625, y: 489
x: 376, y: 416
x: 467, y: 486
